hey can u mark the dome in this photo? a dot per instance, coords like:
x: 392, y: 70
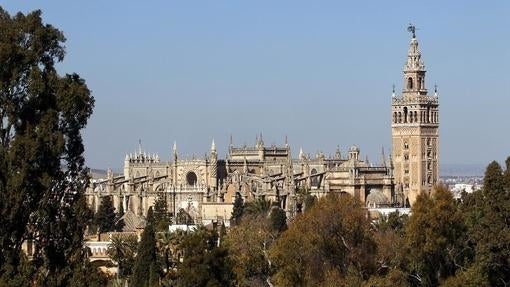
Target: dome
x: 354, y: 148
x: 376, y: 197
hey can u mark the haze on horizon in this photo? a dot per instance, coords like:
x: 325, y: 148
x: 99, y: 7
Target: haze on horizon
x: 319, y: 73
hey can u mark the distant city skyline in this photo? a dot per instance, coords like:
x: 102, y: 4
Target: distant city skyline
x: 320, y: 73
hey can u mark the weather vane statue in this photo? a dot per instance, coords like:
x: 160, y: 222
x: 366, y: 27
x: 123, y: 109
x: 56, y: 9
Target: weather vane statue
x: 412, y: 29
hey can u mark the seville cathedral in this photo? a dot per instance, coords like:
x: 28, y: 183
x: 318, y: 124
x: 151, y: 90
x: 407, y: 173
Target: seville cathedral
x: 205, y: 188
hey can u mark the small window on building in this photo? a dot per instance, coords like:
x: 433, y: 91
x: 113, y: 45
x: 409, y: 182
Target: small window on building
x: 406, y: 145
x: 410, y: 83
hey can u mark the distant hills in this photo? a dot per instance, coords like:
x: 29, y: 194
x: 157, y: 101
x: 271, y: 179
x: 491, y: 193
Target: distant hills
x: 462, y: 170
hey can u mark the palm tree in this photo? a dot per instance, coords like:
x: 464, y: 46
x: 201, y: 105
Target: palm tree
x: 259, y: 207
x: 168, y: 245
x: 122, y: 249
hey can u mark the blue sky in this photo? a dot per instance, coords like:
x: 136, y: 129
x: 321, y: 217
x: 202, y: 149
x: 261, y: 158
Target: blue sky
x: 319, y: 72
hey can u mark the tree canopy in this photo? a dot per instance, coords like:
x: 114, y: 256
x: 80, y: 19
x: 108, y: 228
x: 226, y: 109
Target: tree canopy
x: 105, y: 217
x: 146, y: 269
x: 42, y: 173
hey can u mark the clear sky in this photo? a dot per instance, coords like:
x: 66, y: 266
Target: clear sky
x: 320, y: 72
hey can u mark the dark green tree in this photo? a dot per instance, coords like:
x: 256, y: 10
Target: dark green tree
x: 205, y: 263
x: 161, y: 216
x: 487, y: 216
x: 42, y: 173
x: 105, y: 217
x: 238, y: 210
x: 493, y: 180
x: 278, y: 219
x: 145, y: 270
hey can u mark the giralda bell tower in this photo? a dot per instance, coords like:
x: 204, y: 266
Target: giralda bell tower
x: 415, y: 130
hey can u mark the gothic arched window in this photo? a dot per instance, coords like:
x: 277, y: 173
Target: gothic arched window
x: 191, y: 178
x: 410, y: 83
x: 405, y: 114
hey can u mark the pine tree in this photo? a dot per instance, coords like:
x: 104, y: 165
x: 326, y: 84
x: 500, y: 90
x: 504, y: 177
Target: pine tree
x: 278, y: 219
x: 105, y: 216
x: 119, y: 223
x: 204, y: 263
x: 238, y: 210
x: 41, y: 117
x: 145, y: 269
x: 161, y: 217
x: 487, y: 216
x: 493, y: 180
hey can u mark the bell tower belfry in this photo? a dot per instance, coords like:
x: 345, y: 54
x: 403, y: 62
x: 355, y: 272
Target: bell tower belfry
x: 415, y: 129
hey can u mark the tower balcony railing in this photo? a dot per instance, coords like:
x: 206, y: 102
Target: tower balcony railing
x: 416, y: 99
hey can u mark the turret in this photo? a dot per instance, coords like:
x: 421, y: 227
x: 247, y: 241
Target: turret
x: 213, y: 166
x: 174, y: 151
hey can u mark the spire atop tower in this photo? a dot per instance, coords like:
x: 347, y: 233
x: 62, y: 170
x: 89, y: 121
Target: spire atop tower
x: 393, y: 91
x: 338, y: 155
x: 213, y: 146
x: 414, y: 70
x: 414, y: 62
x: 139, y: 146
x: 383, y: 157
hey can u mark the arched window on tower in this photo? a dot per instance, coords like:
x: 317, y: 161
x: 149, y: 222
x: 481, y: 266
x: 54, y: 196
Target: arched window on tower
x: 419, y: 83
x: 415, y: 116
x: 428, y: 115
x: 399, y: 117
x: 410, y: 83
x: 394, y: 117
x: 405, y: 114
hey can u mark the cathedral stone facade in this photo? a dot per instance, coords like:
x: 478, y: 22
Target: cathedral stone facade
x: 205, y: 188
